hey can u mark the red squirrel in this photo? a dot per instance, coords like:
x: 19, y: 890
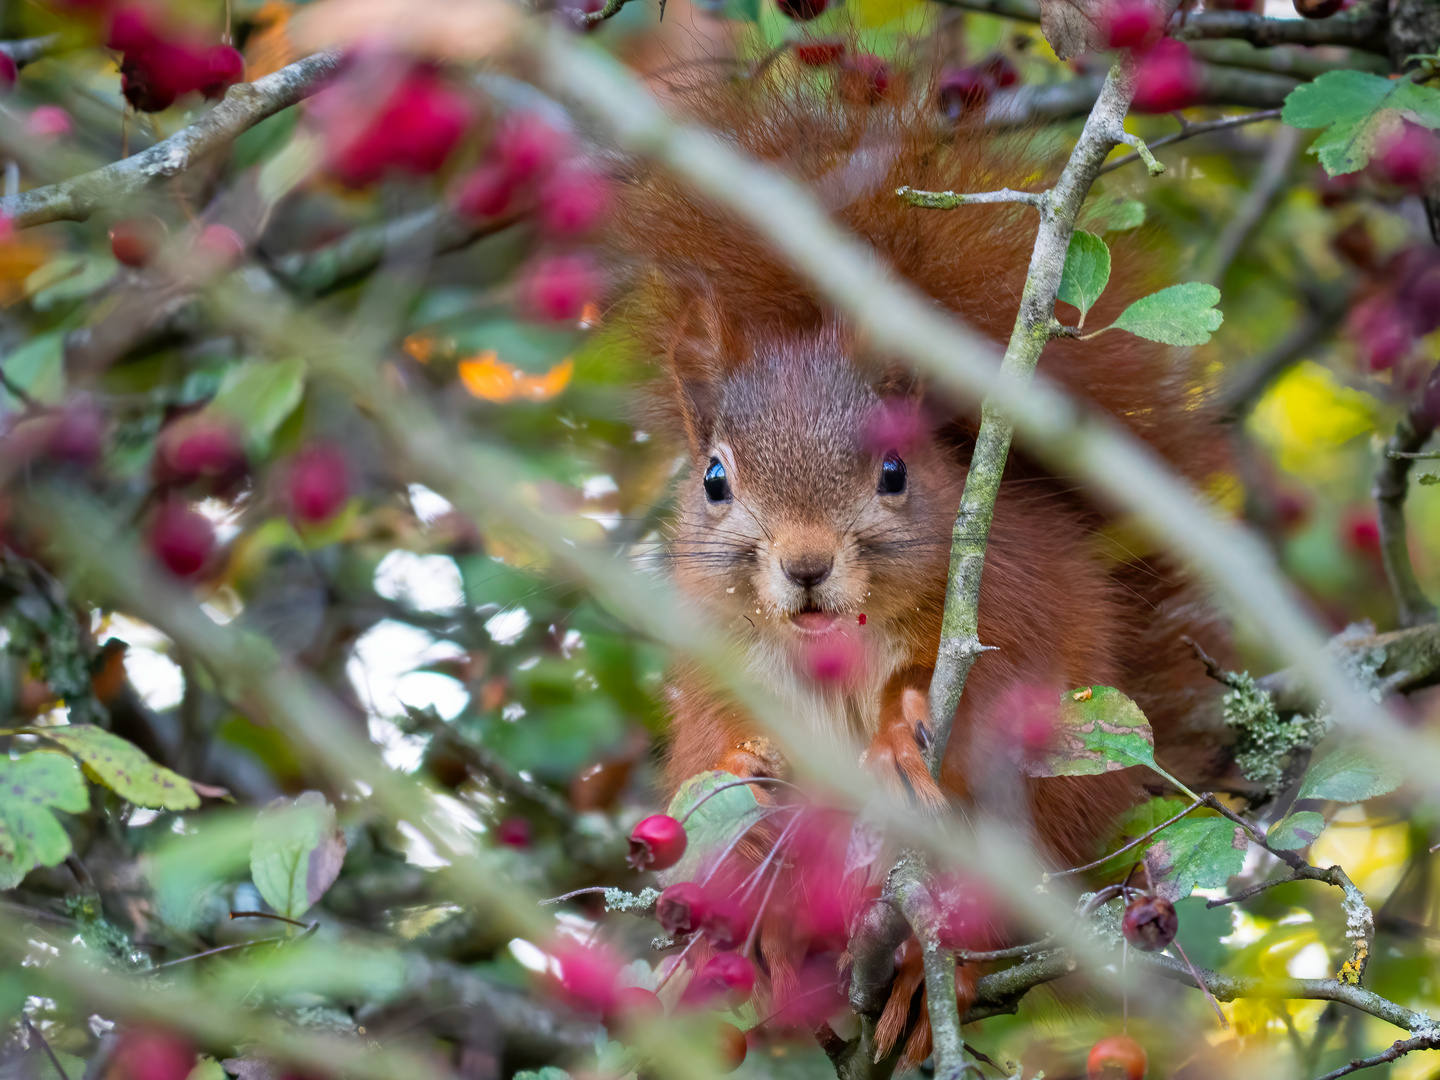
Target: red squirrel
x: 823, y: 480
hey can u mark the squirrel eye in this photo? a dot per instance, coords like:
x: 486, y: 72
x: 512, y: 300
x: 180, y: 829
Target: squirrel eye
x: 717, y: 487
x: 892, y: 474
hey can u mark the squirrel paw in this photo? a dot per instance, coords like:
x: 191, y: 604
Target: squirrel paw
x: 895, y: 755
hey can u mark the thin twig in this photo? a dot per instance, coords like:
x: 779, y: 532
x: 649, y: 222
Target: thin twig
x: 1392, y: 477
x: 1189, y: 131
x: 216, y: 952
x: 950, y: 200
x: 1200, y: 982
x: 1132, y: 844
x: 45, y: 1045
x: 756, y: 780
x: 271, y: 915
x: 1398, y: 1049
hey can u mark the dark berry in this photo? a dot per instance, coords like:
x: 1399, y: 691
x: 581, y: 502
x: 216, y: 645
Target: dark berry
x: 485, y: 193
x: 1166, y: 78
x: 9, y: 72
x: 77, y: 433
x: 1000, y: 69
x: 963, y: 90
x: 319, y: 483
x: 1150, y: 923
x: 866, y: 79
x: 513, y: 832
x: 1408, y: 158
x: 181, y: 538
x: 731, y: 1047
x: 1318, y: 9
x: 1116, y: 1057
x: 135, y: 241
x: 657, y: 843
x: 802, y: 10
x: 681, y: 908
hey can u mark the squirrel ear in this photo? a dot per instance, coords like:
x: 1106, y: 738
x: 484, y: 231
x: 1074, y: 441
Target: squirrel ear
x: 701, y: 353
x: 899, y: 381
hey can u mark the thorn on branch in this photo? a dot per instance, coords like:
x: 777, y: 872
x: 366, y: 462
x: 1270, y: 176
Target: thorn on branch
x: 1154, y: 167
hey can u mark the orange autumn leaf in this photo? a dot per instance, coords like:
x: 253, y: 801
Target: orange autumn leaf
x: 490, y: 378
x: 269, y: 48
x: 21, y: 254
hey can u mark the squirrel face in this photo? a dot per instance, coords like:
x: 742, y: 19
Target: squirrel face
x: 816, y: 505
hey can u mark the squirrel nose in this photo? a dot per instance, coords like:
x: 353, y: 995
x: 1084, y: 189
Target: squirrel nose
x: 808, y: 570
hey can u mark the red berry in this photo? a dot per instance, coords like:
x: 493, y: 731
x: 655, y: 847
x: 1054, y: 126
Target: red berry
x: 1116, y: 1057
x: 866, y: 79
x: 1131, y: 24
x: 413, y: 131
x: 513, y: 832
x: 1318, y: 9
x: 963, y: 90
x: 130, y: 31
x: 572, y: 201
x: 224, y: 67
x: 9, y: 72
x: 557, y: 287
x: 726, y: 922
x: 999, y: 68
x: 1381, y: 332
x: 1419, y: 301
x: 819, y: 53
x: 1361, y: 532
x: 1408, y: 158
x: 528, y: 147
x: 147, y: 1054
x: 135, y: 241
x: 220, y: 246
x: 319, y: 483
x: 802, y: 10
x: 681, y: 908
x: 1292, y: 509
x: 1233, y: 5
x: 485, y: 193
x: 656, y: 843
x: 1167, y: 78
x: 731, y: 1047
x: 48, y: 122
x: 633, y: 1005
x: 726, y: 975
x: 196, y: 446
x: 181, y: 539
x: 1150, y: 923
x: 587, y: 977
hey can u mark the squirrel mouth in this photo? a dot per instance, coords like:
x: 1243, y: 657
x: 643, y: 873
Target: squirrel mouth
x: 813, y: 620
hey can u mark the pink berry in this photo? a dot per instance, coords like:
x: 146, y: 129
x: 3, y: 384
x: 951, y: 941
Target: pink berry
x: 196, y: 446
x: 1131, y: 24
x: 1381, y: 332
x: 587, y: 977
x: 513, y: 832
x: 834, y: 658
x: 319, y: 483
x: 77, y: 433
x: 557, y: 287
x: 181, y: 539
x: 224, y: 67
x: 485, y: 193
x: 9, y: 72
x: 150, y: 1054
x: 1167, y: 78
x: 1409, y: 158
x: 819, y: 53
x: 220, y: 245
x: 48, y: 122
x: 528, y: 147
x: 656, y: 843
x: 726, y: 924
x: 681, y: 908
x: 727, y: 975
x: 963, y: 90
x: 1361, y: 532
x: 866, y: 79
x: 573, y: 201
x: 802, y: 10
x: 413, y: 131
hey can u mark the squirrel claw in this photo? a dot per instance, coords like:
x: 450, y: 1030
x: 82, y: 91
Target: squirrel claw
x: 895, y: 753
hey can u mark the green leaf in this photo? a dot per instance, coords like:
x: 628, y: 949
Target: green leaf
x: 1354, y: 107
x: 30, y: 835
x: 1098, y: 729
x: 1296, y: 830
x: 38, y: 368
x: 258, y: 395
x: 1112, y: 214
x: 1087, y: 270
x: 123, y: 767
x: 1180, y: 315
x: 1348, y: 774
x: 70, y: 277
x: 297, y: 853
x: 1196, y: 853
x: 716, y: 821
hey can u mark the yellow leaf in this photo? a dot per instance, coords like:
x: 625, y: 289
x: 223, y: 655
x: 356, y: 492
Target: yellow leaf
x: 1308, y: 413
x: 486, y: 377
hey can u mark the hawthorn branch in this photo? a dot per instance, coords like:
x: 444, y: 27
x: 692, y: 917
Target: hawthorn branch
x: 1189, y: 131
x: 1059, y: 207
x: 909, y: 881
x: 1398, y: 1049
x: 244, y: 106
x: 949, y: 200
x: 1392, y: 481
x: 27, y: 50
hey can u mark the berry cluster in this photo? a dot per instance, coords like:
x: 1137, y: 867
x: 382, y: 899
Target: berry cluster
x: 968, y: 89
x: 160, y: 64
x: 1167, y: 76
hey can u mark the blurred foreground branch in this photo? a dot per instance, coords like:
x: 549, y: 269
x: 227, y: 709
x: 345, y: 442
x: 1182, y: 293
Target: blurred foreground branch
x: 1392, y: 482
x: 244, y: 106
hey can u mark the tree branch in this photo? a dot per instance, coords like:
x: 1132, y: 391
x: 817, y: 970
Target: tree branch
x: 1392, y: 478
x: 1397, y: 1050
x: 949, y: 200
x: 244, y: 106
x: 1190, y: 131
x: 960, y: 644
x: 1075, y: 97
